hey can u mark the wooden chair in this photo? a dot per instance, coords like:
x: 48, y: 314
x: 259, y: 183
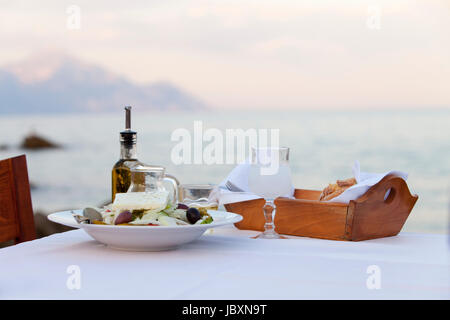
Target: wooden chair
x: 16, y: 211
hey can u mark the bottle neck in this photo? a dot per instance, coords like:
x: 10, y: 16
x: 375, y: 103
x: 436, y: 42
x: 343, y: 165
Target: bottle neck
x: 128, y: 151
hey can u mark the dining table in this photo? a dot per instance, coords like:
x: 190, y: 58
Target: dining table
x: 227, y: 263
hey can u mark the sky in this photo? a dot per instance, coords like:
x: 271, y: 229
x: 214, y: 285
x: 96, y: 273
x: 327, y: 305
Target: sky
x: 261, y: 54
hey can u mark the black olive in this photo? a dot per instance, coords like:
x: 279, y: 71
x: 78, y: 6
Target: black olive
x: 124, y: 217
x: 193, y: 215
x: 182, y: 206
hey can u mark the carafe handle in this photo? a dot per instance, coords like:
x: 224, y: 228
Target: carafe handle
x: 174, y: 183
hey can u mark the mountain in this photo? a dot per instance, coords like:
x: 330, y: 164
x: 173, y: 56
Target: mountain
x: 57, y: 83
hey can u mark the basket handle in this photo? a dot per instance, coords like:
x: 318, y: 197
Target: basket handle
x: 391, y: 189
x: 381, y: 211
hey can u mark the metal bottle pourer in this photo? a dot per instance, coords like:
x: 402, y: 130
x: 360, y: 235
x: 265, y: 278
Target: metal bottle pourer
x: 128, y: 136
x: 128, y: 118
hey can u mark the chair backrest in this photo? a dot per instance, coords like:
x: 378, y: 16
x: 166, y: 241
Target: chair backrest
x: 16, y: 211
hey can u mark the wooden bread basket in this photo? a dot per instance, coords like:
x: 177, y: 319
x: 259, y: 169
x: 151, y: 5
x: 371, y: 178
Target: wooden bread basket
x: 370, y: 216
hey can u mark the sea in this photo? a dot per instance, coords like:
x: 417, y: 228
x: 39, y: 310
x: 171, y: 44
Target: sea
x: 323, y: 147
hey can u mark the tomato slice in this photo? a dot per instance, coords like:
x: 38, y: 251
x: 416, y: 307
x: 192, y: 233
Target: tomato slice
x: 151, y: 224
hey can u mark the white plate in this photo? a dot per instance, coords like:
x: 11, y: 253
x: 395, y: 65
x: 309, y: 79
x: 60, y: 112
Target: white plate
x: 145, y: 238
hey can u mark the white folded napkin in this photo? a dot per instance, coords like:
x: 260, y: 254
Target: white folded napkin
x: 364, y: 181
x: 239, y: 178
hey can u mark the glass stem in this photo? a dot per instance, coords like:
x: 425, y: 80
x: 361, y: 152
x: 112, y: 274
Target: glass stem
x: 269, y: 214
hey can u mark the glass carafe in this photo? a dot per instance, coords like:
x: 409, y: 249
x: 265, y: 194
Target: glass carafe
x: 153, y: 179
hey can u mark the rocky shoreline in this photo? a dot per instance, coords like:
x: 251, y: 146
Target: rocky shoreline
x: 45, y: 227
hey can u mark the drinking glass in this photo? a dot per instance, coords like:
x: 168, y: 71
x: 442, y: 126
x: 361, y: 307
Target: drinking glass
x: 197, y: 195
x: 270, y: 177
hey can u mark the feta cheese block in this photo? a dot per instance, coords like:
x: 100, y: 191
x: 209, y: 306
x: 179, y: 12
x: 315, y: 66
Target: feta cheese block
x: 141, y: 201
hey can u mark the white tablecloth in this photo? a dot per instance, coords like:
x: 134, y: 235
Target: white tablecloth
x: 227, y: 264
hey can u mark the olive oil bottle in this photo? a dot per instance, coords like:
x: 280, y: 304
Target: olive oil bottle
x: 121, y: 172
